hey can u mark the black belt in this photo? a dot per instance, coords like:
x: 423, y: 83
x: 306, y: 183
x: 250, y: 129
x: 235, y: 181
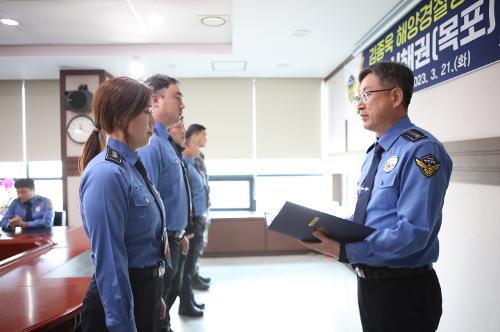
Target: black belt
x: 148, y: 272
x: 367, y: 272
x: 175, y: 235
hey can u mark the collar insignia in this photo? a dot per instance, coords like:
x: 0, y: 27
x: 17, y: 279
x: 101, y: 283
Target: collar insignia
x: 413, y: 135
x: 390, y: 164
x: 429, y: 165
x: 113, y: 156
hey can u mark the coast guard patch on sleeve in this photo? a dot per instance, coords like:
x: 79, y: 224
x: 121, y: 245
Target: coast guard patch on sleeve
x: 429, y: 165
x: 113, y: 156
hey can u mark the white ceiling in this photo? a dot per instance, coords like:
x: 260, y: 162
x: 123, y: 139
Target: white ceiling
x: 115, y: 35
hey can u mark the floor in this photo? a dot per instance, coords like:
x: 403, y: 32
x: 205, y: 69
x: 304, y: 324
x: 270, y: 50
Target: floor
x: 299, y: 293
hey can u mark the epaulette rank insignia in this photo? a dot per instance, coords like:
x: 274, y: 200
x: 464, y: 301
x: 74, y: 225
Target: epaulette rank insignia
x: 413, y: 135
x: 113, y: 156
x: 429, y: 165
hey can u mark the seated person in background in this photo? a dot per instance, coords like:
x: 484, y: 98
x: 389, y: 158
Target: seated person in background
x: 29, y: 211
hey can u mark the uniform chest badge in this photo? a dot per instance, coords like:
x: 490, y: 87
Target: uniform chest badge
x: 390, y: 164
x: 429, y: 165
x: 38, y: 208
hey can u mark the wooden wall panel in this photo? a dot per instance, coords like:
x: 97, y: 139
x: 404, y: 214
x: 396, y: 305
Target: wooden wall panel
x: 247, y: 236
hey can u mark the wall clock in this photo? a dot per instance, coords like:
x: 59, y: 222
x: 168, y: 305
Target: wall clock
x: 79, y: 128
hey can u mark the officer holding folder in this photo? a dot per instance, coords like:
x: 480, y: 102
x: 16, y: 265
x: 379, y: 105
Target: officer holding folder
x: 400, y: 194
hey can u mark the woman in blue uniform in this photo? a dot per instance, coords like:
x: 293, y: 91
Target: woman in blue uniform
x: 122, y: 214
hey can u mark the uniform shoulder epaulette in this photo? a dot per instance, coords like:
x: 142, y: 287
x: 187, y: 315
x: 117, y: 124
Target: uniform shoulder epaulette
x: 413, y: 135
x: 113, y: 156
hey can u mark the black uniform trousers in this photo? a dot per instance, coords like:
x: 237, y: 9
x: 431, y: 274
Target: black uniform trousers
x: 146, y: 293
x: 411, y: 303
x: 203, y: 238
x: 172, y: 279
x: 195, y: 247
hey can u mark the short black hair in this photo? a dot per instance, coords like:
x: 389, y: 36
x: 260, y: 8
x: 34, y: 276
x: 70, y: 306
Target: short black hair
x: 193, y: 129
x: 24, y: 183
x: 160, y: 81
x: 397, y: 74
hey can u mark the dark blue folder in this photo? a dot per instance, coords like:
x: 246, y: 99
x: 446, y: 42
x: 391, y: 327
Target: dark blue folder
x: 299, y: 222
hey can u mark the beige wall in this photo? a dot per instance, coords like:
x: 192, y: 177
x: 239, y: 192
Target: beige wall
x: 464, y: 108
x: 288, y: 123
x: 43, y: 138
x: 224, y: 107
x: 467, y: 265
x: 11, y: 121
x: 43, y: 120
x: 73, y: 213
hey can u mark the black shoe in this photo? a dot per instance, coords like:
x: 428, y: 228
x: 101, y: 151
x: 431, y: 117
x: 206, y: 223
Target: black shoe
x: 199, y: 285
x: 205, y: 280
x: 190, y: 312
x: 200, y: 306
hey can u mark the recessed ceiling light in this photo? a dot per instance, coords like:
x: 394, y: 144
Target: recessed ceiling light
x: 283, y: 65
x: 300, y: 33
x: 173, y: 66
x: 229, y: 65
x: 213, y: 21
x: 8, y: 21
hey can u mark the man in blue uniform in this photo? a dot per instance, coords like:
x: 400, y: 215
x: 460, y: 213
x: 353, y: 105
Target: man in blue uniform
x: 199, y: 195
x: 29, y: 211
x: 199, y: 137
x: 401, y: 194
x: 165, y: 168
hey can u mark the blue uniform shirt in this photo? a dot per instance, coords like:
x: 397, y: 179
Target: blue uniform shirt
x: 41, y: 210
x: 198, y: 189
x: 165, y: 169
x: 123, y: 223
x: 406, y: 203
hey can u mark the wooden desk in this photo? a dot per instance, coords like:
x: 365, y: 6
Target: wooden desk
x: 31, y: 300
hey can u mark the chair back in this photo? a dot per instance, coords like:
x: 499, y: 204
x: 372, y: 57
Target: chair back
x: 60, y: 218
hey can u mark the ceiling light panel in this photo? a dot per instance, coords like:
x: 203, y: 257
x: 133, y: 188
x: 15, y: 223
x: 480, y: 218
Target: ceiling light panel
x: 214, y: 20
x: 9, y: 21
x: 229, y: 65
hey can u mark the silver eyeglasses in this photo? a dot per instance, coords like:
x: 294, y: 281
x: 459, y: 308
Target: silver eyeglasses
x: 363, y: 95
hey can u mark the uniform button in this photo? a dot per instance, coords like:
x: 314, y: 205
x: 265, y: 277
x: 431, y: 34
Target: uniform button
x: 147, y: 200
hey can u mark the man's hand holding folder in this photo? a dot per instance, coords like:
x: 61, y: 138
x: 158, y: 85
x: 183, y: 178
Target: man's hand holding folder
x: 317, y: 230
x: 326, y: 245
